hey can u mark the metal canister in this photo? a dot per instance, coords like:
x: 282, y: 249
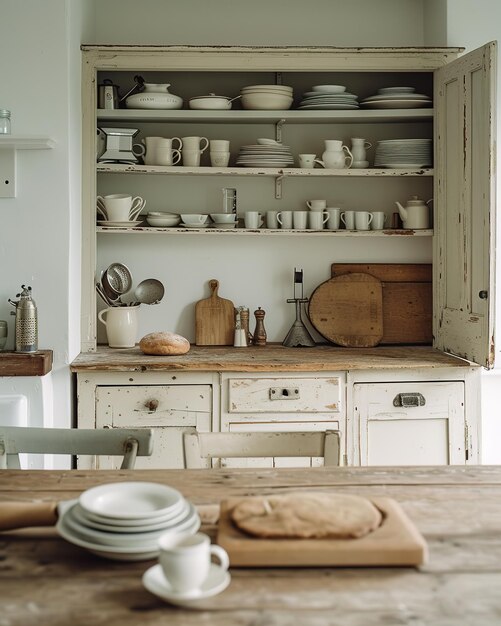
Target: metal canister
x: 229, y: 200
x: 26, y: 321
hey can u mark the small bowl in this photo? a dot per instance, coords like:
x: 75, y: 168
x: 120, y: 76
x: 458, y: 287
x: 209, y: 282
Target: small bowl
x: 329, y: 88
x: 223, y: 218
x: 266, y: 102
x: 163, y: 221
x: 194, y: 219
x: 161, y: 214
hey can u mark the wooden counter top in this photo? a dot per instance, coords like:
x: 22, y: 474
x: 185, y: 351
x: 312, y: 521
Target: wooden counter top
x: 25, y: 363
x: 273, y: 357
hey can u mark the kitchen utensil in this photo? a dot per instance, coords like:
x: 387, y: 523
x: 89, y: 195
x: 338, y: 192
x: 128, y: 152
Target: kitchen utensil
x: 212, y: 102
x: 396, y: 542
x: 149, y: 291
x: 415, y: 214
x: 119, y: 148
x: 26, y: 329
x: 348, y: 310
x: 101, y: 292
x: 298, y: 336
x: 119, y: 278
x: 214, y: 319
x: 107, y: 94
x: 407, y: 299
x: 259, y: 336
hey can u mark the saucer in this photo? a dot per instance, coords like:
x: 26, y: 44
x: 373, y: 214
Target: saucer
x: 128, y: 223
x: 156, y: 583
x: 194, y: 225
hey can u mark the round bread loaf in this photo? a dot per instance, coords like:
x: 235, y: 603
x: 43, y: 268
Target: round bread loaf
x: 164, y: 343
x: 307, y: 516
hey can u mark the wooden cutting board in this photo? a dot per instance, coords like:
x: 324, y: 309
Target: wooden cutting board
x: 214, y: 319
x: 407, y: 299
x: 395, y: 542
x: 348, y: 310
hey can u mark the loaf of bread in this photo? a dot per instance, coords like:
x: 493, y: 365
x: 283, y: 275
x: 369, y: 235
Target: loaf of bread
x: 164, y: 343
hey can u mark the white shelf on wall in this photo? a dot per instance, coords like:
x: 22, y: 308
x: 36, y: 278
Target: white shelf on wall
x: 245, y: 232
x: 9, y: 145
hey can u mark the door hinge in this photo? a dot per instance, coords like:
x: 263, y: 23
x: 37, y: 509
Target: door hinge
x: 466, y: 443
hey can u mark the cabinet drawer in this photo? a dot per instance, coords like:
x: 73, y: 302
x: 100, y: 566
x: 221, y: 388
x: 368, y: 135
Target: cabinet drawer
x: 284, y: 395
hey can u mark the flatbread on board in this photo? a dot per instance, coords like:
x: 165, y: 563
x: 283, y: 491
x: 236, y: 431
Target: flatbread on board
x: 317, y: 515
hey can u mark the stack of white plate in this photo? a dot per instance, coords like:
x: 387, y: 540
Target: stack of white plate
x: 397, y: 98
x: 399, y: 153
x: 328, y: 97
x: 268, y: 155
x: 123, y: 521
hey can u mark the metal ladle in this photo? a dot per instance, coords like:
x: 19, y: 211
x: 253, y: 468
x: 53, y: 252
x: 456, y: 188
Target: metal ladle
x: 149, y: 291
x: 116, y: 280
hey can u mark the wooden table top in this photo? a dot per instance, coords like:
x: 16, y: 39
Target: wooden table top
x: 46, y: 581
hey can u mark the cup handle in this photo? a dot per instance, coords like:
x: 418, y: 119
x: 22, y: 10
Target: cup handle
x: 180, y: 143
x: 101, y: 212
x: 279, y: 214
x: 349, y: 155
x: 141, y: 150
x: 100, y: 316
x: 221, y: 555
x: 138, y: 205
x: 202, y: 150
x: 176, y: 155
x: 371, y: 217
x: 367, y: 145
x: 326, y: 216
x: 319, y: 162
x: 341, y: 217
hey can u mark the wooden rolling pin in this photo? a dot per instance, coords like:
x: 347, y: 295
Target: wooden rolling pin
x: 25, y: 514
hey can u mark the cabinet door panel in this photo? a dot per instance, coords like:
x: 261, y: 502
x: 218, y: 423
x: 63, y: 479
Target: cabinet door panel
x: 465, y: 206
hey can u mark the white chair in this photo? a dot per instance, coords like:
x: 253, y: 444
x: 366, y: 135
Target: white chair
x: 202, y: 447
x: 129, y: 442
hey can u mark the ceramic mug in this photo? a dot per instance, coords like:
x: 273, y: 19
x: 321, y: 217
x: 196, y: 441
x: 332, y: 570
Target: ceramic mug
x: 284, y: 218
x: 159, y: 151
x: 378, y: 220
x: 219, y: 145
x: 191, y: 158
x: 219, y: 159
x: 317, y: 219
x: 121, y: 325
x: 195, y: 143
x: 333, y: 219
x: 348, y: 219
x: 186, y: 559
x: 316, y: 205
x: 299, y: 219
x: 307, y: 161
x: 271, y: 219
x: 119, y: 207
x: 252, y: 219
x: 363, y: 220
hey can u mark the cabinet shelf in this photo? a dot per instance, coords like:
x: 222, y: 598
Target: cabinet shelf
x: 9, y: 145
x: 263, y: 117
x: 245, y: 232
x: 121, y: 168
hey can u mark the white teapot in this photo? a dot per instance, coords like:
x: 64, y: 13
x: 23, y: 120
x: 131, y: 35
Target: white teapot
x: 154, y: 96
x: 416, y: 213
x: 336, y: 155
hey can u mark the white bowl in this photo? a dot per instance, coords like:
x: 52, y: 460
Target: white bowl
x: 194, y: 219
x: 268, y: 142
x: 329, y: 88
x: 223, y: 218
x: 281, y: 88
x: 163, y: 221
x: 266, y: 102
x: 161, y: 214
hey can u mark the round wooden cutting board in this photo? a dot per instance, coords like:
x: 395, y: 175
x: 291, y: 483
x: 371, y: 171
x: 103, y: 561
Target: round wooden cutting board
x: 348, y: 310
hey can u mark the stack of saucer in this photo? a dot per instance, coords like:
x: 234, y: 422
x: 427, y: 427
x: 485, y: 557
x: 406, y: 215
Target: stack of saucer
x: 267, y: 155
x: 328, y: 97
x: 397, y: 98
x: 398, y: 153
x: 123, y: 521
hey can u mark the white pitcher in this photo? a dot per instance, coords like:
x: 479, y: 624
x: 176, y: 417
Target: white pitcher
x: 336, y: 155
x: 358, y: 148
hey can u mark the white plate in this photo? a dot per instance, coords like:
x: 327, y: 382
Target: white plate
x: 389, y: 90
x: 268, y: 142
x: 218, y: 226
x: 329, y: 106
x: 131, y: 500
x: 399, y: 96
x: 194, y: 225
x: 403, y: 165
x: 117, y: 526
x: 156, y: 583
x: 121, y: 224
x: 397, y: 104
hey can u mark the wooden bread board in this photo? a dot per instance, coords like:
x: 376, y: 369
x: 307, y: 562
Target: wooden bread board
x: 214, y: 319
x: 396, y: 542
x: 407, y: 298
x: 348, y: 310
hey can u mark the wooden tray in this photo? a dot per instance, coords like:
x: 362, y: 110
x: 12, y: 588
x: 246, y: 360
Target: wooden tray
x: 395, y: 542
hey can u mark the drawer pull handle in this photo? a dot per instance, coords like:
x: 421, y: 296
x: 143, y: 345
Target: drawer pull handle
x: 151, y: 405
x: 284, y: 393
x: 409, y: 400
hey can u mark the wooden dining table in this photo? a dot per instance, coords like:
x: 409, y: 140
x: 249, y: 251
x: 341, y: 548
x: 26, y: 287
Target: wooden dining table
x: 46, y: 581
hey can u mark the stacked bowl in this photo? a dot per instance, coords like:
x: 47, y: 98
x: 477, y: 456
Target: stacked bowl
x: 267, y: 97
x: 162, y: 220
x: 123, y: 521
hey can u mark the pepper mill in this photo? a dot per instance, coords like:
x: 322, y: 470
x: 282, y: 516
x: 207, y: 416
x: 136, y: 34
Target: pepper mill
x: 259, y: 332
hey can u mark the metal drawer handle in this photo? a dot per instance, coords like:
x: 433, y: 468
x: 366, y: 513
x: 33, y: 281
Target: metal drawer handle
x: 151, y: 405
x: 409, y: 400
x: 284, y: 393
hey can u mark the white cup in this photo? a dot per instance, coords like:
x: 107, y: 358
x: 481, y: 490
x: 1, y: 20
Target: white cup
x: 191, y: 158
x: 186, y: 559
x: 219, y: 145
x: 333, y: 219
x: 194, y: 219
x: 195, y: 143
x: 271, y: 219
x: 119, y: 207
x: 219, y: 159
x: 317, y: 219
x: 378, y: 220
x: 363, y: 220
x: 300, y: 219
x: 284, y: 218
x: 121, y: 325
x: 348, y: 219
x: 252, y: 219
x: 307, y: 161
x: 316, y: 205
x: 159, y: 151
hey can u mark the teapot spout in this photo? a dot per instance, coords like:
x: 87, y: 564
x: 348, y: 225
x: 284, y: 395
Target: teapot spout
x: 402, y: 211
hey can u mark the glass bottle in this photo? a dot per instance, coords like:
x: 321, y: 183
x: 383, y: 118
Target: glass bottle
x: 4, y: 122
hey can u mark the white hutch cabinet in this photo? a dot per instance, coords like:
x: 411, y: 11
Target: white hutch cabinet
x: 399, y: 406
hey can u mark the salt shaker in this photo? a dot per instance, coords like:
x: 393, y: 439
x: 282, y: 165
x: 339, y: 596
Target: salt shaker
x: 259, y: 332
x: 4, y: 122
x: 240, y: 340
x: 244, y: 320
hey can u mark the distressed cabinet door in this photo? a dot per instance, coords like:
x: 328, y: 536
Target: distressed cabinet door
x: 465, y: 206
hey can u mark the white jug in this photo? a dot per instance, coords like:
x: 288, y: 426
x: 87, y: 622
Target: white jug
x: 336, y: 155
x: 358, y: 148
